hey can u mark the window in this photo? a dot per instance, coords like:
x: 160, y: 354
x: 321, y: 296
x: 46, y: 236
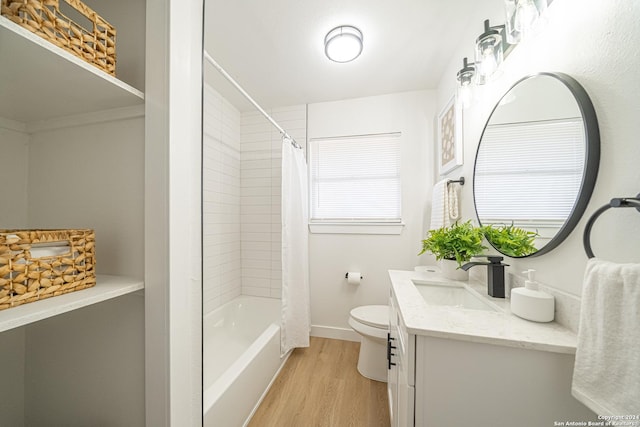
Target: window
x: 355, y: 180
x: 522, y: 183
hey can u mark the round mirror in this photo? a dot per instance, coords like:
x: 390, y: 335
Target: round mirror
x: 536, y: 164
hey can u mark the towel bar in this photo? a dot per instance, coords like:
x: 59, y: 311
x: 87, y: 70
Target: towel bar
x: 459, y: 181
x: 629, y: 202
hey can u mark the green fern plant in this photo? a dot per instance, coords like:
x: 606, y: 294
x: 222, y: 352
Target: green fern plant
x: 511, y: 240
x: 459, y: 242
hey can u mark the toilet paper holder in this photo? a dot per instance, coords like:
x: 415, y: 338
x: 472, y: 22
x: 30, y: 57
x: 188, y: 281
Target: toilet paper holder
x: 346, y: 276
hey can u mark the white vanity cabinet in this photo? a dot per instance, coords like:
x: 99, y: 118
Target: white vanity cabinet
x: 401, y: 373
x: 440, y: 381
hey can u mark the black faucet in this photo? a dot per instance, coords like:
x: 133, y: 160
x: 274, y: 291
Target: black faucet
x: 495, y: 274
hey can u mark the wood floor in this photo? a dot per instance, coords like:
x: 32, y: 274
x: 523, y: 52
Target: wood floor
x: 320, y: 386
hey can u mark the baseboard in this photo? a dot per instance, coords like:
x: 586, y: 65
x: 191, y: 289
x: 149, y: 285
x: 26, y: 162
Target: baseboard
x: 344, y: 334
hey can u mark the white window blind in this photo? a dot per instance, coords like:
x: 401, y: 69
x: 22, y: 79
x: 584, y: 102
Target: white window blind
x: 355, y: 179
x: 530, y: 172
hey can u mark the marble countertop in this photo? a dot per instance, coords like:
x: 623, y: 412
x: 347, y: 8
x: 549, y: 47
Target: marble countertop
x: 489, y: 327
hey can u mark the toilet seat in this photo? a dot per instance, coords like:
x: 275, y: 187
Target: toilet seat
x: 376, y: 316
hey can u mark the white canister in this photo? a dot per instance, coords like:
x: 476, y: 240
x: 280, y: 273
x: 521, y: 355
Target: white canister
x: 531, y: 303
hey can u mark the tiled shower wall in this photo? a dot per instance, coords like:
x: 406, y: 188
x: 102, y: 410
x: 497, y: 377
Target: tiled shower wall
x: 242, y: 155
x: 261, y: 154
x: 221, y: 201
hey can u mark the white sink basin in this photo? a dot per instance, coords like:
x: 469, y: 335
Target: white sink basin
x: 453, y: 295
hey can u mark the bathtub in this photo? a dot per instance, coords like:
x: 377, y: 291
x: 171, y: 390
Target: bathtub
x: 241, y: 357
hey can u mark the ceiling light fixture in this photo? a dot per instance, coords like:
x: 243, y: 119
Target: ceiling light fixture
x: 343, y: 43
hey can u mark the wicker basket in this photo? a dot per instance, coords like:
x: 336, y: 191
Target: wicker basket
x: 43, y: 17
x: 38, y: 264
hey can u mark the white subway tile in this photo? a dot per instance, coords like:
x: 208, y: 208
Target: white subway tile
x: 264, y: 163
x: 256, y: 264
x: 275, y: 293
x: 255, y: 155
x: 258, y: 255
x: 256, y: 282
x: 256, y: 200
x: 256, y: 146
x: 256, y: 292
x: 255, y: 191
x: 256, y: 173
x: 255, y: 182
x: 255, y: 219
x: 256, y: 228
x: 256, y: 273
x: 257, y: 210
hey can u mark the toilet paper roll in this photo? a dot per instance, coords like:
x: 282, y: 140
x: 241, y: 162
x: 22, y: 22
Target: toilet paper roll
x: 353, y: 277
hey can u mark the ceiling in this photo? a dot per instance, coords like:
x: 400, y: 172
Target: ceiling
x: 274, y: 49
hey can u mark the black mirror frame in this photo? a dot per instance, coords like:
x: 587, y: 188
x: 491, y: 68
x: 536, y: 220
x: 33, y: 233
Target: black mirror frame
x: 591, y: 164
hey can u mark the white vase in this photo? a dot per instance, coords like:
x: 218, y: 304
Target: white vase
x: 450, y: 270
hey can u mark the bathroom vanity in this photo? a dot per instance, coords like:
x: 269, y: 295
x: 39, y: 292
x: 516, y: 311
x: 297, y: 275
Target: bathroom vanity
x: 458, y: 357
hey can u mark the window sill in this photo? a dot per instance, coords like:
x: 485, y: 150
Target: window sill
x: 356, y: 228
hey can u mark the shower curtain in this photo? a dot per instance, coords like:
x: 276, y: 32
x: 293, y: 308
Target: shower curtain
x: 296, y: 313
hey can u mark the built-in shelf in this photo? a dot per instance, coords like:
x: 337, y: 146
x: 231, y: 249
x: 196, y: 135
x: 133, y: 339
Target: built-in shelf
x: 107, y: 287
x: 40, y: 81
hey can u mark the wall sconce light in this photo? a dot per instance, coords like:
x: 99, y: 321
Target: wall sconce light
x: 489, y: 51
x: 343, y: 43
x: 521, y: 17
x: 496, y: 42
x: 465, y: 79
x: 466, y: 73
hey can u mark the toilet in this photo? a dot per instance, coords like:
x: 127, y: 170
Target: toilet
x: 372, y: 323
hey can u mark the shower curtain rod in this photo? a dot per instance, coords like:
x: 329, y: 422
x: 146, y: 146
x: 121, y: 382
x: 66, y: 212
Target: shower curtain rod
x: 249, y: 98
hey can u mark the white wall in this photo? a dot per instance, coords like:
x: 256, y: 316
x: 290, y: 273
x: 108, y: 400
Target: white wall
x: 14, y: 174
x: 90, y: 176
x: 261, y: 183
x: 87, y: 175
x: 222, y: 280
x: 594, y: 42
x: 86, y: 367
x: 332, y: 255
x: 128, y: 18
x: 13, y: 356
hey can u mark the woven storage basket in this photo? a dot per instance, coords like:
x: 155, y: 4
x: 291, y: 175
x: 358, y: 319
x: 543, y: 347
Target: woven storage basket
x: 43, y: 17
x: 25, y: 278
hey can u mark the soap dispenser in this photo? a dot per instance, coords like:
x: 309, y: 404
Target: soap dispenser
x: 531, y: 303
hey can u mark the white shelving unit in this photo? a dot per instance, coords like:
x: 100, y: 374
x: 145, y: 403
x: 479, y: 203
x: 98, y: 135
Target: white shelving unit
x: 42, y: 81
x: 78, y: 137
x: 107, y: 287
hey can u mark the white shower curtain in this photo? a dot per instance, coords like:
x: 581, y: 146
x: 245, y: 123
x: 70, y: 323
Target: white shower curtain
x: 296, y: 321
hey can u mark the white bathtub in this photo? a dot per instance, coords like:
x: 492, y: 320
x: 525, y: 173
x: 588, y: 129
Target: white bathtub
x: 241, y: 356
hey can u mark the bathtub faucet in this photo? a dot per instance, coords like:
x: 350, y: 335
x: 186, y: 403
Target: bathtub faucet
x: 495, y: 274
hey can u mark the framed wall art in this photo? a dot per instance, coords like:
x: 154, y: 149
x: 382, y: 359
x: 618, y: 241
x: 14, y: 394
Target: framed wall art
x: 449, y: 142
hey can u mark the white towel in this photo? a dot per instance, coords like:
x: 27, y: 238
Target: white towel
x: 606, y: 376
x: 453, y: 207
x: 439, y: 206
x: 49, y: 251
x: 444, y: 205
